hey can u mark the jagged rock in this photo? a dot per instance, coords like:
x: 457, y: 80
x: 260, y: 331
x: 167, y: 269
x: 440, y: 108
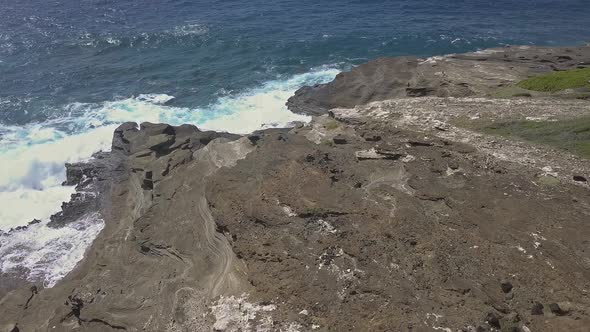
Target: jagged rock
x: 448, y: 76
x: 253, y: 138
x: 34, y: 221
x: 493, y: 320
x: 371, y: 137
x: 537, y: 309
x: 377, y: 154
x: 339, y: 139
x: 556, y: 309
x: 506, y: 286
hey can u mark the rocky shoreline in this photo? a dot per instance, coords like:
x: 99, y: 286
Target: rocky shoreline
x: 476, y: 74
x: 381, y: 214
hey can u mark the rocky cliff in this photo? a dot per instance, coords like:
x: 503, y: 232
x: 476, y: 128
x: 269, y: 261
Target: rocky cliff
x: 383, y: 216
x: 457, y: 75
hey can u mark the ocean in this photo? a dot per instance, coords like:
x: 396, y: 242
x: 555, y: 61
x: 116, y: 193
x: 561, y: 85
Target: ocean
x: 72, y: 70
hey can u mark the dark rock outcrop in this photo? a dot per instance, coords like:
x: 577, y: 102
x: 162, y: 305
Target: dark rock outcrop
x: 461, y: 75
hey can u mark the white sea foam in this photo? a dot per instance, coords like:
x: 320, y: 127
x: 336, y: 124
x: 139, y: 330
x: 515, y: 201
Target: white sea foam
x: 33, y: 158
x: 155, y: 98
x: 32, y: 171
x: 48, y: 253
x: 192, y: 29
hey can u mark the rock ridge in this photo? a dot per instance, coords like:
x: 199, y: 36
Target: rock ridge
x: 378, y: 215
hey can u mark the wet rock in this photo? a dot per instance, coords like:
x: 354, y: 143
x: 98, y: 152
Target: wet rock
x: 34, y: 221
x: 537, y: 309
x: 79, y: 174
x: 298, y: 124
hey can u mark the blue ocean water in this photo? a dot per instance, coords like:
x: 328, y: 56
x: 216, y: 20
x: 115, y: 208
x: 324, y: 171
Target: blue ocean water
x: 53, y: 53
x: 72, y: 70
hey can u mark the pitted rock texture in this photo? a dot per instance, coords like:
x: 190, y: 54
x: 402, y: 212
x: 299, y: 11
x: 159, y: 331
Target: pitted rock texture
x: 456, y: 75
x: 380, y: 217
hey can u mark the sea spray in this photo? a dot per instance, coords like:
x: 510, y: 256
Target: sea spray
x: 35, y: 155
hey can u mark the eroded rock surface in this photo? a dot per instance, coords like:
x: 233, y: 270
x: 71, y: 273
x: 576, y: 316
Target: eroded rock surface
x: 159, y: 259
x: 381, y: 217
x: 455, y: 75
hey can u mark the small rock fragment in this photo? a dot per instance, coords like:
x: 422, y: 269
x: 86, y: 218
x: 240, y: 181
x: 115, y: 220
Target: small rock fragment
x: 148, y: 183
x: 377, y: 154
x: 493, y: 320
x: 513, y: 317
x: 556, y: 309
x: 506, y: 286
x: 537, y: 309
x: 408, y: 158
x: 371, y: 137
x: 580, y: 178
x: 339, y: 139
x: 253, y: 138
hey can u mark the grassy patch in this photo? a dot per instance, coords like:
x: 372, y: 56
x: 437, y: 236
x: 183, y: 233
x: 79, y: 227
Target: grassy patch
x: 557, y: 81
x: 333, y: 124
x: 548, y: 180
x: 572, y: 135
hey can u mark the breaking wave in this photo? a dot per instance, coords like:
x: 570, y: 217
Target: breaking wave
x: 33, y: 158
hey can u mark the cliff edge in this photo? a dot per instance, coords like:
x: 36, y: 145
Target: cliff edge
x: 387, y: 213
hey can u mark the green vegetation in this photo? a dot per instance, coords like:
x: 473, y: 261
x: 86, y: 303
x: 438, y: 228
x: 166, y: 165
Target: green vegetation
x: 557, y: 81
x: 333, y: 124
x: 327, y: 142
x: 548, y: 180
x: 572, y: 135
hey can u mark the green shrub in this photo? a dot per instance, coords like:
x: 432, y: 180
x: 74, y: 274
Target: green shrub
x: 333, y: 124
x: 572, y: 134
x: 557, y: 81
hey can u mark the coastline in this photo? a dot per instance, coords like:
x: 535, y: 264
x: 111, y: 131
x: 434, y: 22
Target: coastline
x: 194, y: 220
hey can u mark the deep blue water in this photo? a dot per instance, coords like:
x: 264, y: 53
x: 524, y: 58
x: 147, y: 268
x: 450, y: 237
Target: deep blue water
x: 57, y: 52
x: 72, y: 70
